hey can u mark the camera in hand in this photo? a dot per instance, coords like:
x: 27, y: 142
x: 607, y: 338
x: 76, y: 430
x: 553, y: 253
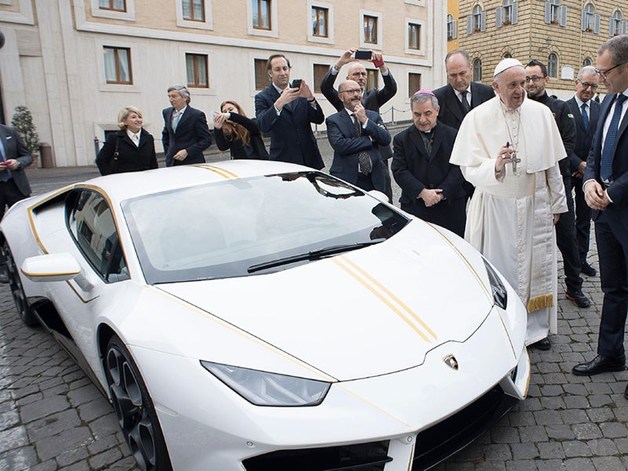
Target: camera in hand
x: 363, y: 55
x: 296, y: 83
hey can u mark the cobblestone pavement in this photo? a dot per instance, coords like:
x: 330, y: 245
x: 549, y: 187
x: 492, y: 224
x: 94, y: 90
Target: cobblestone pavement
x: 53, y: 418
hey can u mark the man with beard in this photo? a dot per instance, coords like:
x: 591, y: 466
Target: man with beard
x: 536, y: 81
x: 519, y: 195
x: 355, y: 134
x: 372, y: 99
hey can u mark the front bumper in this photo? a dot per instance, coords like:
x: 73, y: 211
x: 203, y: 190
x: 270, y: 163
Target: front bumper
x: 409, y: 414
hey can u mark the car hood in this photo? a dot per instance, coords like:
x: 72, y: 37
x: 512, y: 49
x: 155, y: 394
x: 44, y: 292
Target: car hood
x: 364, y: 313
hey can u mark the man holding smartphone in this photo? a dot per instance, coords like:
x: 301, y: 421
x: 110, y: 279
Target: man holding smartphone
x: 372, y: 99
x: 285, y: 110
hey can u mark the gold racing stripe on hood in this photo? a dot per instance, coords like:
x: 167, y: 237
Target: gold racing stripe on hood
x: 226, y: 174
x: 387, y: 297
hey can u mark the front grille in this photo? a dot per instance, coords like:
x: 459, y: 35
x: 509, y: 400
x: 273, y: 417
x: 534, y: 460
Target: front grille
x: 446, y: 438
x: 362, y: 457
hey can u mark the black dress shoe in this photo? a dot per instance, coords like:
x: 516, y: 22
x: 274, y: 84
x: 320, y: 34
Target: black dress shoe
x: 587, y: 269
x: 600, y: 364
x: 543, y: 344
x: 578, y: 298
x: 4, y: 276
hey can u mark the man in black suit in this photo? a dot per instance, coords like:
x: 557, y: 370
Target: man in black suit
x: 285, y: 111
x: 536, y: 81
x: 372, y: 99
x: 431, y: 187
x: 356, y: 135
x: 185, y: 135
x: 586, y: 112
x: 461, y: 94
x: 606, y: 192
x: 14, y: 186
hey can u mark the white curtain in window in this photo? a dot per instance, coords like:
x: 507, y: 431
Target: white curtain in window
x: 110, y: 65
x: 123, y: 58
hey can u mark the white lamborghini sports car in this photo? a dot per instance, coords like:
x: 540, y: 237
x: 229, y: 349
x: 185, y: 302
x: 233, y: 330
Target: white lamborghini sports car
x: 252, y: 315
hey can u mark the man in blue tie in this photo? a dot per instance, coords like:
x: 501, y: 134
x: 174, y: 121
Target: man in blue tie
x: 14, y: 186
x: 586, y: 112
x: 606, y: 192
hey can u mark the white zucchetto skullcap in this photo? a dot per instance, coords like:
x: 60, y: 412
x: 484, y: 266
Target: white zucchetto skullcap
x: 506, y: 64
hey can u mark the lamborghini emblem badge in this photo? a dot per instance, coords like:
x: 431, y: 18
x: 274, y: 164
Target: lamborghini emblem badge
x: 451, y: 362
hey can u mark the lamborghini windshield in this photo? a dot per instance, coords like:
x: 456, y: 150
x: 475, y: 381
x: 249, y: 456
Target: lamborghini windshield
x: 253, y: 225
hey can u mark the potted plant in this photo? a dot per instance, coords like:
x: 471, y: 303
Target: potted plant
x: 23, y: 121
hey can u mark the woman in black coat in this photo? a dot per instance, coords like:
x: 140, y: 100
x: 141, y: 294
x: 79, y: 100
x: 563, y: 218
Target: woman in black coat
x: 234, y: 131
x: 129, y: 150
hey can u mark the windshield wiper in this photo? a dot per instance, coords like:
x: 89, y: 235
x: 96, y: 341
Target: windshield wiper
x: 312, y: 255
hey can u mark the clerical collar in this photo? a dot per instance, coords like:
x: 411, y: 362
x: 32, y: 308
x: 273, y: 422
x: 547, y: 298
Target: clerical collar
x: 505, y: 108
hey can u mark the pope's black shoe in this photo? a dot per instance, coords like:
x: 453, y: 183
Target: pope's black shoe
x: 587, y: 269
x: 578, y: 298
x: 600, y: 364
x: 543, y: 344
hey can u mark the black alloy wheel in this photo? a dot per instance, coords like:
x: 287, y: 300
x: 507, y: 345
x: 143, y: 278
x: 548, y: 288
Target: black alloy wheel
x: 134, y: 408
x: 17, y: 290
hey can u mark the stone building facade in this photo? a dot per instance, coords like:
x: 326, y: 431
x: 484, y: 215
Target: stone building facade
x: 563, y: 34
x: 74, y: 64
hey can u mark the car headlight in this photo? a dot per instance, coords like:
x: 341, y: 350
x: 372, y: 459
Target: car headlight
x: 500, y: 295
x: 269, y: 389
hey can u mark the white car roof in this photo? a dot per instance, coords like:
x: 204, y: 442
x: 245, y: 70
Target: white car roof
x: 132, y: 184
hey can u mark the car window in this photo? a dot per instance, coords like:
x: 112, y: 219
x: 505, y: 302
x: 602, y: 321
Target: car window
x: 91, y: 224
x: 222, y: 229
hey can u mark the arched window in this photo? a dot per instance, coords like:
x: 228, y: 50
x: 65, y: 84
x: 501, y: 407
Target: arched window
x: 507, y: 55
x: 451, y: 27
x: 617, y: 24
x: 477, y: 18
x: 590, y: 19
x: 476, y: 21
x: 587, y: 61
x: 555, y: 13
x: 477, y: 70
x: 552, y: 65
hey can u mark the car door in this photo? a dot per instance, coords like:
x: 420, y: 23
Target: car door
x: 93, y: 239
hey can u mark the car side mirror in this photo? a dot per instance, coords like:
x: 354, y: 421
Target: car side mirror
x: 51, y: 267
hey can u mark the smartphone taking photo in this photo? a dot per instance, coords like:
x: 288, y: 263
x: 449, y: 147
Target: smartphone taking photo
x: 296, y: 83
x: 363, y: 55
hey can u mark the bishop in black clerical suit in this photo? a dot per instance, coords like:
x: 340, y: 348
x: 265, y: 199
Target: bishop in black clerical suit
x: 431, y: 188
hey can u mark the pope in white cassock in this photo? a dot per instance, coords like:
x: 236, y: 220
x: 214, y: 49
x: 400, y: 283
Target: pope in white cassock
x: 509, y: 148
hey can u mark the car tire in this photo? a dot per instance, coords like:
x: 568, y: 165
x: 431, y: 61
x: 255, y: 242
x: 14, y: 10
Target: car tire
x: 22, y: 306
x: 134, y: 408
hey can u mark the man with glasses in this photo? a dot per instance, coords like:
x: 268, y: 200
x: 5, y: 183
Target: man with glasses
x: 509, y: 148
x: 536, y: 81
x: 372, y: 99
x: 356, y: 135
x: 606, y: 192
x: 586, y: 112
